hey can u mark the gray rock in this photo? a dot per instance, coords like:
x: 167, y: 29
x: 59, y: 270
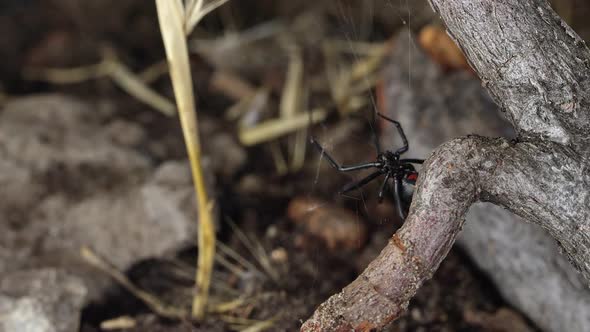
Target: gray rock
x: 23, y: 315
x: 134, y: 223
x: 54, y: 144
x: 66, y: 182
x: 46, y: 300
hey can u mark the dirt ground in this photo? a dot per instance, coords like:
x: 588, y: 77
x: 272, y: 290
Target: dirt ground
x: 86, y: 174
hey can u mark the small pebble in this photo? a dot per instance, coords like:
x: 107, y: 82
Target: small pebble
x: 336, y: 227
x: 279, y: 255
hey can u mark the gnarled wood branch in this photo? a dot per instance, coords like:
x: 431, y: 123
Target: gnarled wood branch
x: 531, y: 62
x: 521, y: 259
x: 536, y: 68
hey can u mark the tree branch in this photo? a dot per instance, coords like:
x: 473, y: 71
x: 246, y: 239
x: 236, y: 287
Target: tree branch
x: 520, y: 258
x: 532, y: 63
x: 446, y: 189
x: 520, y: 177
x: 537, y: 70
x: 546, y: 183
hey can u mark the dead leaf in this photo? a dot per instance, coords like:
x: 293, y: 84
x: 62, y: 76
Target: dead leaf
x: 441, y: 48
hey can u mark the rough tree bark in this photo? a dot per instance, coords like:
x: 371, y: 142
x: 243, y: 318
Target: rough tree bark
x: 522, y: 260
x: 537, y: 69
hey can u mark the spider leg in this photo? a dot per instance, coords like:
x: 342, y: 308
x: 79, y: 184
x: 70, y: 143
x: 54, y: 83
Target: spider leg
x: 412, y: 161
x: 401, y: 133
x: 383, y: 185
x: 340, y: 167
x: 358, y: 184
x: 397, y: 188
x: 376, y: 142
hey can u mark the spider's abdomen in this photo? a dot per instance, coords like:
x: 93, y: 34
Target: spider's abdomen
x: 408, y: 186
x: 411, y: 178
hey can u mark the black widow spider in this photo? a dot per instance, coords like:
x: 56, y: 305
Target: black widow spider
x: 388, y: 163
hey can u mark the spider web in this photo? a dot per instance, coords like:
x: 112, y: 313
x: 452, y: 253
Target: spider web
x: 351, y: 33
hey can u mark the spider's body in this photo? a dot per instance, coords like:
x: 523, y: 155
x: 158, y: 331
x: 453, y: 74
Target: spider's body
x: 388, y: 163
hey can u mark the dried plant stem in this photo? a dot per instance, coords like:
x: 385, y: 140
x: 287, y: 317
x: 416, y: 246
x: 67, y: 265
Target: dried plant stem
x: 278, y: 127
x: 150, y: 300
x: 170, y: 14
x: 110, y: 67
x: 196, y: 10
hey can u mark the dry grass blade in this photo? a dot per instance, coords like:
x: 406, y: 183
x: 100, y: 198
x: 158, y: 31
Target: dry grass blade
x: 118, y: 323
x: 271, y: 129
x: 299, y: 149
x: 171, y: 16
x: 150, y: 300
x: 229, y: 306
x: 248, y: 325
x: 256, y: 249
x: 68, y: 75
x: 293, y: 101
x: 197, y: 9
x: 260, y: 326
x: 130, y: 82
x: 154, y: 72
x: 349, y: 82
x: 236, y: 320
x: 278, y: 158
x: 248, y: 111
x: 228, y: 265
x: 228, y: 251
x: 111, y: 67
x: 292, y: 96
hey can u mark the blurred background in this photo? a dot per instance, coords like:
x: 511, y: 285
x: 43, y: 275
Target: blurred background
x: 92, y: 156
